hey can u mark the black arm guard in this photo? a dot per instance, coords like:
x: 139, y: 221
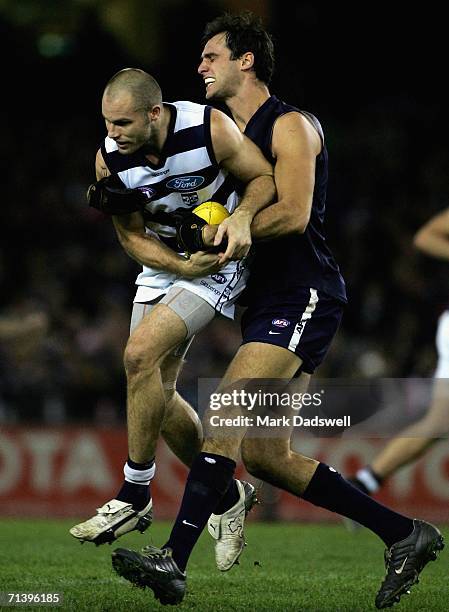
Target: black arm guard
x: 189, y: 231
x: 111, y: 197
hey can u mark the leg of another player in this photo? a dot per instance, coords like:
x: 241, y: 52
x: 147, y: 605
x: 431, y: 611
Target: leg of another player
x: 411, y: 543
x: 181, y: 427
x: 274, y: 461
x: 212, y: 474
x: 263, y: 456
x: 411, y: 443
x: 156, y: 336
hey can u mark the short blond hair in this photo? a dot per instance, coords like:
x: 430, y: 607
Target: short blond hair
x: 144, y: 88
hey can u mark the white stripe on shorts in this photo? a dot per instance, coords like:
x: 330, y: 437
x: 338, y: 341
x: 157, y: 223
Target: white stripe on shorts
x: 442, y: 342
x: 306, y: 315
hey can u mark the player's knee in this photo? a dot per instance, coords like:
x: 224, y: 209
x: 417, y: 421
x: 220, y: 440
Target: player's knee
x: 138, y: 357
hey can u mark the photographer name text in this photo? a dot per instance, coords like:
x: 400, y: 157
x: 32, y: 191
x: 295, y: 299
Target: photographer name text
x: 266, y: 421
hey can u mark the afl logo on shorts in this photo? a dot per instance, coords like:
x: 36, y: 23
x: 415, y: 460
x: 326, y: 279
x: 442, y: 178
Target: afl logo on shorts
x: 219, y: 278
x: 280, y: 322
x: 185, y: 183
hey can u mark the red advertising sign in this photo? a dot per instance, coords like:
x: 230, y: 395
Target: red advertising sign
x: 71, y: 471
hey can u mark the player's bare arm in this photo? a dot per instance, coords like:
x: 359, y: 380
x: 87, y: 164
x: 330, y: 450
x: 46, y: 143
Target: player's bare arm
x: 242, y: 158
x: 296, y: 144
x: 433, y: 237
x: 101, y: 170
x: 151, y: 252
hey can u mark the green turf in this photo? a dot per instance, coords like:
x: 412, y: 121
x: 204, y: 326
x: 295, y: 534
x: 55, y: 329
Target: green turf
x: 286, y: 567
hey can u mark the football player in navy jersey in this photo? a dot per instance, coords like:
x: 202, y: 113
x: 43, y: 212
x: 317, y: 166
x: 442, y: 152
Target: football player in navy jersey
x: 410, y: 444
x: 295, y: 298
x: 156, y: 163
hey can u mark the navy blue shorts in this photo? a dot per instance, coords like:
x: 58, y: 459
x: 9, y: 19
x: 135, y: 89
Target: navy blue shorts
x: 303, y: 321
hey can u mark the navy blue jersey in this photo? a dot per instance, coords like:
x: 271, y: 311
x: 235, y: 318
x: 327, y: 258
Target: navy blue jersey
x: 296, y: 260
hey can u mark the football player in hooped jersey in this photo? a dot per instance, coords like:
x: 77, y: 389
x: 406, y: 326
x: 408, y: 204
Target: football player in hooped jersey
x: 164, y: 160
x: 295, y: 298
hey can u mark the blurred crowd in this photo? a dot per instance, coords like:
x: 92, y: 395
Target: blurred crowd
x: 67, y: 286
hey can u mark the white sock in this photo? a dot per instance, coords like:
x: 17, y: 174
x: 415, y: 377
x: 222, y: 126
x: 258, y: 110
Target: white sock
x: 139, y: 477
x: 366, y: 477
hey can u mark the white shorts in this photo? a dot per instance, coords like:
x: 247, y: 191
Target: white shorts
x: 220, y: 290
x: 442, y: 342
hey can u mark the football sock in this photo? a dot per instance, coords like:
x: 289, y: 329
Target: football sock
x: 136, y: 486
x: 229, y: 499
x: 208, y: 480
x: 370, y: 481
x: 329, y: 490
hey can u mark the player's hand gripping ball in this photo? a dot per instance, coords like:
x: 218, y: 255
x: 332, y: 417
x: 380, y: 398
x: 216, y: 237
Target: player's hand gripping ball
x: 190, y: 230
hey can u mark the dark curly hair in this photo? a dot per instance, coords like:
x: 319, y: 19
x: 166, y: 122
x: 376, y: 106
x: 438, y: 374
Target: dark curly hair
x: 245, y: 32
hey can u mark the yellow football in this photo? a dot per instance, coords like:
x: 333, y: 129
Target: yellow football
x: 212, y: 212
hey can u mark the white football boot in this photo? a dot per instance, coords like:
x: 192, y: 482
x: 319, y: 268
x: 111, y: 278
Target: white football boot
x: 227, y: 528
x: 113, y: 520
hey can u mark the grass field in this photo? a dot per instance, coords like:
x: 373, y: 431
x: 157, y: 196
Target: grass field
x: 286, y: 567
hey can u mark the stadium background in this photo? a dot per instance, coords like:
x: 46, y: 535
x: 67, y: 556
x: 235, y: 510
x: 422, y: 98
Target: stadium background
x: 372, y: 76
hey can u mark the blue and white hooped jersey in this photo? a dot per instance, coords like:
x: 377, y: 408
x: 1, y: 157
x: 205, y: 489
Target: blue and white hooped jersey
x: 187, y: 173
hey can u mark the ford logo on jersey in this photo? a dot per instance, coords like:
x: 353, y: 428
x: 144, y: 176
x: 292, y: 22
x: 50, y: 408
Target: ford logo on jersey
x: 280, y: 322
x: 184, y: 183
x: 219, y: 278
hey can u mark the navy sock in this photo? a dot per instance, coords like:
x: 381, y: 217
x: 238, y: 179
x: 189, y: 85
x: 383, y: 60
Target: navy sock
x: 134, y: 493
x: 208, y: 480
x: 229, y: 499
x: 329, y: 490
